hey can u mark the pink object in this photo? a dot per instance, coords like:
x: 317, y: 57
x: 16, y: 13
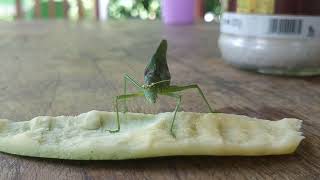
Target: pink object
x: 178, y: 11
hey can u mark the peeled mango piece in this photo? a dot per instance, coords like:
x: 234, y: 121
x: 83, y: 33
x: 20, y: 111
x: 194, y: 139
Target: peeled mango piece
x: 85, y: 137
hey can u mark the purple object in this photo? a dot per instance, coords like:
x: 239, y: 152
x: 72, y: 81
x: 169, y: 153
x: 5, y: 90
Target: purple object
x: 178, y: 11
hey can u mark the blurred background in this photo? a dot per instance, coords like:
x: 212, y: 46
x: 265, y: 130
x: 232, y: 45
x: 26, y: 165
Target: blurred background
x: 101, y: 10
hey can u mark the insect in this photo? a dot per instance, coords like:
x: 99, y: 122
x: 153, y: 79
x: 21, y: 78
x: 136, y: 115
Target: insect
x: 156, y: 82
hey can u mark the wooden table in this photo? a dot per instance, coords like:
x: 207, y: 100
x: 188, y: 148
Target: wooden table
x: 68, y: 68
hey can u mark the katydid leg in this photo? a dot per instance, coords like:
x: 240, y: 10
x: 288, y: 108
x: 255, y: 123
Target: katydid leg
x: 161, y: 82
x: 117, y: 108
x: 178, y: 98
x: 172, y: 89
x: 130, y: 79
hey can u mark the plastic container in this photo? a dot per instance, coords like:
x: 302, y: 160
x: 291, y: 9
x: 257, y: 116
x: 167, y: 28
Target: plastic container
x: 178, y: 11
x: 272, y: 36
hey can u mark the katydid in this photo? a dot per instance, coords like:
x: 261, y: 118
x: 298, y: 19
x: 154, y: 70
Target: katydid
x: 156, y: 82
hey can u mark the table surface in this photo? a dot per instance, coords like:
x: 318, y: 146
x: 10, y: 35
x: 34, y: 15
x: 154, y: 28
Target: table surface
x: 62, y: 68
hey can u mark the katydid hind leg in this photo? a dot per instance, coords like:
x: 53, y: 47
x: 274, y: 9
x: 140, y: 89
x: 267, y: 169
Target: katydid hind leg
x: 173, y: 89
x: 125, y: 93
x: 117, y: 108
x: 204, y: 98
x: 178, y: 98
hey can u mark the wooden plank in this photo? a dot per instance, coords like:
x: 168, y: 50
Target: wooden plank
x: 79, y: 67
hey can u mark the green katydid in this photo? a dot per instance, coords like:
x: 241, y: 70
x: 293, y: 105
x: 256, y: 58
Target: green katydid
x: 156, y: 82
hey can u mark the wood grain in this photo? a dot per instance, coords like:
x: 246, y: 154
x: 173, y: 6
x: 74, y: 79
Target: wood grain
x: 68, y: 68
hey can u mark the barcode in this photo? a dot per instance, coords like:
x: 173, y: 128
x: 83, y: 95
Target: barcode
x: 285, y: 26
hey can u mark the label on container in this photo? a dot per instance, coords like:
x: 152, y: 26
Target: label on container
x: 273, y: 7
x: 276, y: 26
x: 256, y: 6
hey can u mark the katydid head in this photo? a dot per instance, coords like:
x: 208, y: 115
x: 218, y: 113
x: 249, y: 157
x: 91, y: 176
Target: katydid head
x: 150, y: 92
x: 157, y: 69
x: 151, y: 95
